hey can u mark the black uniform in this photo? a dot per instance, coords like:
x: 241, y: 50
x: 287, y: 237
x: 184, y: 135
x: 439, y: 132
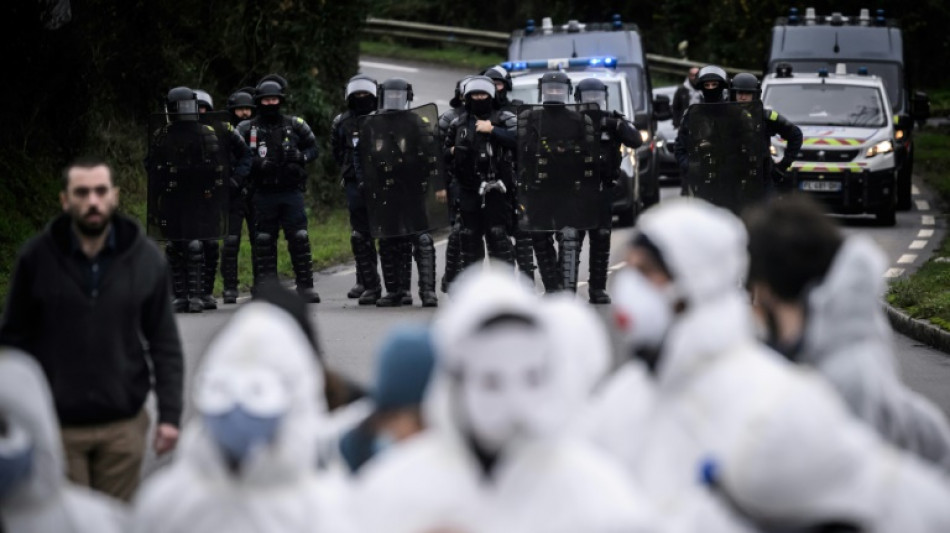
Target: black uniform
x: 281, y: 145
x: 479, y: 159
x: 453, y: 249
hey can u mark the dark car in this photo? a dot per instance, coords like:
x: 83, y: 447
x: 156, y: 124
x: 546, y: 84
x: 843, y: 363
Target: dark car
x: 666, y: 166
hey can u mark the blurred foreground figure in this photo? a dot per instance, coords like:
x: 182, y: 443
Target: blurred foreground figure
x: 820, y: 296
x: 247, y: 461
x: 737, y: 438
x: 34, y: 493
x: 495, y: 456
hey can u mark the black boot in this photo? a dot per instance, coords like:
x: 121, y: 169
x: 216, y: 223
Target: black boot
x: 265, y: 257
x: 229, y: 268
x: 195, y: 268
x: 499, y: 245
x: 453, y: 256
x: 425, y: 267
x: 209, y: 271
x: 547, y: 261
x: 405, y: 272
x: 357, y: 289
x: 176, y: 264
x: 302, y: 260
x: 365, y: 254
x: 569, y: 257
x: 599, y: 263
x: 524, y: 254
x: 389, y: 257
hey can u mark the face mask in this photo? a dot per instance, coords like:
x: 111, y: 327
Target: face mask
x: 239, y: 433
x: 364, y: 106
x: 712, y: 96
x: 643, y: 312
x: 481, y: 108
x: 16, y: 458
x: 269, y: 111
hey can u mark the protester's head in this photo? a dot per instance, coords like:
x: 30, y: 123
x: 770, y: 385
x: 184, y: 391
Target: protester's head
x: 89, y: 195
x: 693, y: 77
x: 403, y: 367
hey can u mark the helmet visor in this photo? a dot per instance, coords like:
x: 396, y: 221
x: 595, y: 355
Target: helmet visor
x: 358, y: 85
x: 554, y: 93
x: 395, y: 99
x: 595, y: 97
x: 186, y: 108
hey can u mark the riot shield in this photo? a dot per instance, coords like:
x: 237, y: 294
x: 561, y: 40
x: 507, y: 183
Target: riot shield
x: 188, y: 169
x: 400, y: 156
x: 558, y: 167
x: 727, y: 153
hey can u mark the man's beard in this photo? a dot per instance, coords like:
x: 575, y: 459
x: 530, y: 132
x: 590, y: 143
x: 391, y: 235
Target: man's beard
x: 90, y: 229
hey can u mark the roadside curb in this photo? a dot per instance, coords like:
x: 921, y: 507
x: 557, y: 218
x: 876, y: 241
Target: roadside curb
x: 918, y: 330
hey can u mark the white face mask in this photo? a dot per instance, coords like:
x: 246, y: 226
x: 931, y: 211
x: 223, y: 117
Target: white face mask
x: 643, y: 312
x: 504, y: 386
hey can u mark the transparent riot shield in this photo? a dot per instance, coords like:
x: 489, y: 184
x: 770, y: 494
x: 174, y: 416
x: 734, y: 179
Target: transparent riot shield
x: 400, y: 160
x: 187, y: 167
x: 558, y: 167
x: 727, y: 153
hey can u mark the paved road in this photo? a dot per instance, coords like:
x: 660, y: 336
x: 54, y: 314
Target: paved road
x: 349, y: 334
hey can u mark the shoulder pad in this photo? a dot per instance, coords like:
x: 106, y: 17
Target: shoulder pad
x: 298, y: 120
x: 230, y: 127
x: 207, y: 127
x: 771, y: 114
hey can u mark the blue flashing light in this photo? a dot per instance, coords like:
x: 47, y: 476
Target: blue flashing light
x: 617, y: 21
x: 793, y: 16
x: 862, y: 71
x: 553, y: 64
x: 529, y: 27
x: 879, y: 19
x: 822, y: 73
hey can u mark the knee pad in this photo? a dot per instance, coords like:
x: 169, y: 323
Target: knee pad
x: 301, y: 236
x: 498, y: 232
x: 359, y: 237
x: 232, y: 241
x: 570, y: 234
x: 601, y: 233
x: 425, y: 240
x: 263, y: 239
x: 195, y: 247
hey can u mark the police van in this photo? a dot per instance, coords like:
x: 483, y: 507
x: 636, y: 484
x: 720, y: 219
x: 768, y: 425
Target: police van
x: 524, y: 80
x: 847, y: 159
x: 875, y: 44
x: 622, y: 41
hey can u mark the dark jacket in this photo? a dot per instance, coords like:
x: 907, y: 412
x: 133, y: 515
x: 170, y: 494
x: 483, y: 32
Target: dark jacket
x: 344, y: 134
x: 271, y: 140
x: 96, y: 350
x: 461, y: 136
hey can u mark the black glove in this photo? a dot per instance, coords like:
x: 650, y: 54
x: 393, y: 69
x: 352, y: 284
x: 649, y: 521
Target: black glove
x: 293, y: 155
x: 265, y: 164
x: 784, y: 164
x: 611, y: 124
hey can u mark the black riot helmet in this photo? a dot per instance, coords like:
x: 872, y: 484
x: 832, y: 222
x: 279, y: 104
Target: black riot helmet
x: 270, y: 87
x: 361, y: 93
x: 715, y: 74
x: 554, y: 88
x: 479, y: 85
x: 205, y: 103
x: 591, y: 91
x: 395, y: 94
x: 243, y: 97
x: 499, y: 73
x: 745, y: 83
x: 182, y: 104
x: 457, y: 100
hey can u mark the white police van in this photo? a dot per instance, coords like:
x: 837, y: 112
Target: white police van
x: 524, y: 79
x: 847, y: 160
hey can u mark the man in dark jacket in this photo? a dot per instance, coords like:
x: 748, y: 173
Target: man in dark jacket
x: 90, y: 299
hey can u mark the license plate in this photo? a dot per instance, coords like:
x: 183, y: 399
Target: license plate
x: 821, y: 186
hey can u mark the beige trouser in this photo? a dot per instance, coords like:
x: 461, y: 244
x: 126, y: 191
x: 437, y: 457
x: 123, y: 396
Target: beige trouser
x: 107, y: 457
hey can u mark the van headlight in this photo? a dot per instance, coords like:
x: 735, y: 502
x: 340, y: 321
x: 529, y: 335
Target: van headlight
x: 882, y: 147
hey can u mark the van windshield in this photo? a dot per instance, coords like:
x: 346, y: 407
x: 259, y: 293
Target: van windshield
x: 890, y: 74
x: 820, y: 104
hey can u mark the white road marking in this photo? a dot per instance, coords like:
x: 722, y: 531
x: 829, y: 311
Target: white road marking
x: 914, y: 190
x: 925, y: 233
x: 927, y: 220
x: 918, y: 245
x: 345, y: 272
x: 893, y: 272
x: 906, y: 259
x: 581, y: 283
x: 922, y: 205
x: 387, y: 66
x: 618, y: 266
x: 440, y: 243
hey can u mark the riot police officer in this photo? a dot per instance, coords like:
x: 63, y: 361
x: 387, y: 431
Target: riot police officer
x: 615, y: 130
x: 453, y: 248
x: 712, y: 83
x: 396, y: 252
x: 361, y: 100
x: 524, y: 250
x: 558, y: 271
x: 745, y: 88
x: 241, y: 205
x: 190, y: 150
x: 281, y: 146
x: 476, y: 144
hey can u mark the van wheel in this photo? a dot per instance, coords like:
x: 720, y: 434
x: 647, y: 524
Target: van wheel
x: 886, y: 217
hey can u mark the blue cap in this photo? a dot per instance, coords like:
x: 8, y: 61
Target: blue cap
x: 403, y: 367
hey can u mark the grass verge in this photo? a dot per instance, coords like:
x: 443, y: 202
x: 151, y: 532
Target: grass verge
x: 447, y: 54
x: 926, y: 294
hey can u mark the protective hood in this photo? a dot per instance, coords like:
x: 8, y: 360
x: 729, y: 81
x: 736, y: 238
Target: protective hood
x: 583, y: 348
x: 25, y: 398
x: 262, y: 337
x: 703, y: 246
x: 845, y: 309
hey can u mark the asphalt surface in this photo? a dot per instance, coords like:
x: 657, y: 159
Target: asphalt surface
x: 350, y: 334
